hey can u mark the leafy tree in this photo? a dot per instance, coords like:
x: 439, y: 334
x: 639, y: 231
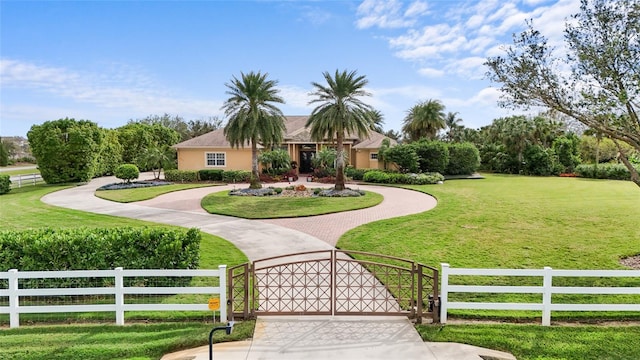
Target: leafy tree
x: 202, y: 126
x: 392, y: 134
x: 4, y: 154
x: 433, y: 155
x: 566, y: 150
x: 66, y: 150
x: 253, y: 116
x: 186, y: 129
x: 156, y: 158
x: 110, y: 154
x: 454, y: 127
x: 601, y: 88
x: 135, y: 138
x: 404, y: 157
x: 424, y: 120
x: 127, y: 172
x: 340, y: 112
x: 464, y: 159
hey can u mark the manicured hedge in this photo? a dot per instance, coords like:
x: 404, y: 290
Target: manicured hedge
x: 99, y: 249
x: 235, y: 176
x: 210, y: 174
x: 604, y: 171
x: 5, y: 183
x: 381, y: 177
x: 356, y: 174
x: 181, y: 175
x: 127, y: 172
x: 464, y: 159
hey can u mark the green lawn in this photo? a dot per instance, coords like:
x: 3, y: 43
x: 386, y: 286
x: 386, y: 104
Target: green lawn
x: 533, y: 342
x: 517, y: 222
x: 271, y: 207
x: 110, y: 342
x: 7, y: 171
x: 140, y: 194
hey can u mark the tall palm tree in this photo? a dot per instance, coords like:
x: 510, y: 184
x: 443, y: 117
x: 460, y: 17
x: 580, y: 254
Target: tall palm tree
x: 377, y: 120
x: 340, y: 112
x: 454, y: 126
x: 253, y: 116
x: 424, y: 120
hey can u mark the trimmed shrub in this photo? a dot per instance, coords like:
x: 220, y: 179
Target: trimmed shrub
x: 540, y: 161
x: 234, y: 176
x: 464, y: 159
x: 99, y: 249
x: 356, y: 174
x: 403, y: 156
x: 181, y: 175
x: 210, y: 174
x: 604, y: 171
x: 381, y: 177
x: 127, y: 172
x: 434, y: 155
x: 5, y: 184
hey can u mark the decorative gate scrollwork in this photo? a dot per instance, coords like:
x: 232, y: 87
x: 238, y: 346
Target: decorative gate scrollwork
x: 333, y: 282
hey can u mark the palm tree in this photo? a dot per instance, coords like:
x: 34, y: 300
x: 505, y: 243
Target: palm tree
x: 454, y: 126
x: 424, y: 120
x: 340, y: 112
x: 378, y: 120
x: 253, y: 116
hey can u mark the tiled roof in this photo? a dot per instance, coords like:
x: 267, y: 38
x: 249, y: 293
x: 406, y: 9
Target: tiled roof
x: 295, y: 132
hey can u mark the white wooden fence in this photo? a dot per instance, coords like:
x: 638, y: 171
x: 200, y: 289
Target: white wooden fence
x: 14, y: 292
x: 546, y: 289
x: 25, y: 179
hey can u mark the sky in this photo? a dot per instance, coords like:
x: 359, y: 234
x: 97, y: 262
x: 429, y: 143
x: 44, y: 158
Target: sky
x: 113, y: 61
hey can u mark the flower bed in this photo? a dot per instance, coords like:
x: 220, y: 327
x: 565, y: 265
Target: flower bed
x: 133, y: 185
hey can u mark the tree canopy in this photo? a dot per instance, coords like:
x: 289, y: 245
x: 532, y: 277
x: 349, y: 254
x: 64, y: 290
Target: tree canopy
x: 596, y: 82
x: 424, y: 120
x: 340, y: 112
x: 253, y: 115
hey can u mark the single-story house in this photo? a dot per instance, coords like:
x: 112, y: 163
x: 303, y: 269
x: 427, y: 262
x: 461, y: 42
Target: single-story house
x: 213, y: 151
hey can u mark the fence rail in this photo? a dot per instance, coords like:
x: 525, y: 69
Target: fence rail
x: 547, y: 290
x: 14, y: 292
x: 25, y: 179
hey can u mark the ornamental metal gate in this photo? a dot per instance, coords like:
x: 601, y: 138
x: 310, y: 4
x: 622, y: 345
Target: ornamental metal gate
x: 333, y: 282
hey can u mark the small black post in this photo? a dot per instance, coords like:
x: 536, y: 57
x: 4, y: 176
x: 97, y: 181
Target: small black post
x: 228, y: 329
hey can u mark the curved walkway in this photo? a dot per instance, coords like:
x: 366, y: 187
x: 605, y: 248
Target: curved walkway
x: 256, y: 238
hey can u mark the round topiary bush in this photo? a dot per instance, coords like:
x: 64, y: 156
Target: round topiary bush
x: 127, y: 172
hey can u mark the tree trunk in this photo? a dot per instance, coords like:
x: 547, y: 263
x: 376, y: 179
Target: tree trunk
x: 255, y: 175
x: 634, y: 174
x: 339, y: 163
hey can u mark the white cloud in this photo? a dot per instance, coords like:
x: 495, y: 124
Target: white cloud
x: 388, y: 14
x: 295, y: 97
x: 470, y: 67
x: 417, y: 8
x: 430, y: 72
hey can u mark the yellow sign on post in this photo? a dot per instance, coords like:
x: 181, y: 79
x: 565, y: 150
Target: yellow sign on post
x: 214, y: 304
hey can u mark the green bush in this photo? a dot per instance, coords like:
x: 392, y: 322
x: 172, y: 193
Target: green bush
x: 5, y: 184
x: 235, y: 176
x: 99, y: 249
x: 604, y: 171
x: 464, y: 159
x: 356, y: 174
x: 181, y: 175
x: 127, y: 172
x: 403, y: 156
x: 376, y: 176
x: 381, y: 177
x: 210, y: 174
x: 433, y: 155
x: 539, y: 161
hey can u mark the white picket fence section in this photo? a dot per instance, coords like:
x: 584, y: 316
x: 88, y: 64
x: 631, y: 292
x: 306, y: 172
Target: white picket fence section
x: 546, y: 289
x: 119, y: 291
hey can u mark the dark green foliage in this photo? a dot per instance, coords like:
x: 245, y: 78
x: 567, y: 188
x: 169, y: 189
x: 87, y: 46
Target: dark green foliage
x: 382, y: 177
x: 181, y: 176
x: 99, y: 249
x: 209, y: 174
x: 403, y: 156
x: 496, y: 158
x: 604, y: 171
x: 566, y: 149
x: 356, y: 174
x: 127, y: 172
x: 464, y: 159
x: 66, y: 150
x: 434, y: 155
x: 540, y: 161
x: 275, y: 162
x: 110, y: 154
x: 235, y: 176
x: 4, y: 154
x: 5, y: 184
x: 137, y: 137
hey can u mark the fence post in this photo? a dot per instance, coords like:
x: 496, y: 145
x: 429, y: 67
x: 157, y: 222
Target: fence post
x: 546, y: 296
x: 14, y: 299
x: 19, y: 181
x: 222, y: 270
x: 119, y: 295
x: 444, y: 292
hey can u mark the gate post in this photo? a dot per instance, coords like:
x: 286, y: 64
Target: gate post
x: 419, y: 300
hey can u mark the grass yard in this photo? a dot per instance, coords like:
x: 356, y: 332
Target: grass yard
x: 533, y: 342
x: 271, y: 207
x: 8, y: 171
x: 109, y: 342
x: 517, y: 222
x: 140, y: 194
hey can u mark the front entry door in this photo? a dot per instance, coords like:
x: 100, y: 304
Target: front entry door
x: 306, y: 157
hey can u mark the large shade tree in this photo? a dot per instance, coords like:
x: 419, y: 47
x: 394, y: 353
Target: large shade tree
x: 339, y: 112
x: 424, y: 120
x: 254, y: 117
x: 596, y: 83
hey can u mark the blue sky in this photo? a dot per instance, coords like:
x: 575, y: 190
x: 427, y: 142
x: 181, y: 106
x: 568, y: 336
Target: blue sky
x: 112, y: 61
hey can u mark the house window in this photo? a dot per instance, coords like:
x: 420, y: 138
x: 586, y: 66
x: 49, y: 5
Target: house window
x: 374, y: 156
x: 216, y: 159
